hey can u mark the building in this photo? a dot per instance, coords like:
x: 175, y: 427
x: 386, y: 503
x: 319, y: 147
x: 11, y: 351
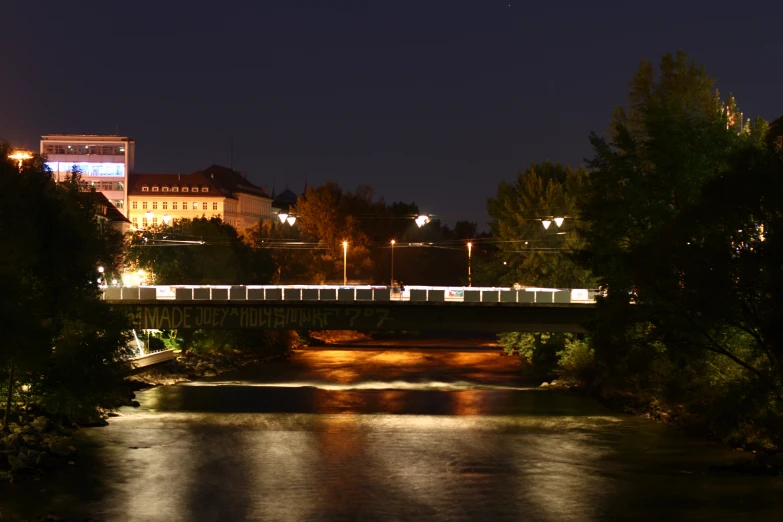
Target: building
x: 155, y: 199
x: 109, y: 216
x: 105, y: 162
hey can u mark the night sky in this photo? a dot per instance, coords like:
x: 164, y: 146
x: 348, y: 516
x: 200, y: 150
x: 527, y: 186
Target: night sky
x: 432, y: 101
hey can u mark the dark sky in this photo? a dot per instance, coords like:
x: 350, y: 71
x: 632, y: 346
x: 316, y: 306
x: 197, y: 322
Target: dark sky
x: 432, y: 101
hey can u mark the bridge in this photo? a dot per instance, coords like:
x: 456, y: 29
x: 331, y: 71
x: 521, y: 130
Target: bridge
x: 309, y: 307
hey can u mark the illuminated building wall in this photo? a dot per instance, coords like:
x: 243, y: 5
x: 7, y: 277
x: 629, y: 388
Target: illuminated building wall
x: 105, y: 162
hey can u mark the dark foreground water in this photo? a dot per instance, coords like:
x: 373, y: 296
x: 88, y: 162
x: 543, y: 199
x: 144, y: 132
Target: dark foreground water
x: 389, y: 435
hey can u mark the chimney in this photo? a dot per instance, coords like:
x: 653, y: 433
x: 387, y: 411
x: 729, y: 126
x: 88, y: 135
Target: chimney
x: 179, y: 177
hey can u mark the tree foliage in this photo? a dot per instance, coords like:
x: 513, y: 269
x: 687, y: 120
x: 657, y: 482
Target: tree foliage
x: 679, y: 197
x: 58, y: 335
x: 537, y: 256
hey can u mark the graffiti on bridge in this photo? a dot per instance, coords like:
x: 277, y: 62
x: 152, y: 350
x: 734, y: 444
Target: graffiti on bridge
x: 169, y: 317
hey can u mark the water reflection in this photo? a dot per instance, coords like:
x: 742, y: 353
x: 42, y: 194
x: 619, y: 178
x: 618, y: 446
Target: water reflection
x: 462, y: 439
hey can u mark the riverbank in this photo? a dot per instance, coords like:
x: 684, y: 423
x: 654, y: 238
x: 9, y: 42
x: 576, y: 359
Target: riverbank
x: 765, y: 460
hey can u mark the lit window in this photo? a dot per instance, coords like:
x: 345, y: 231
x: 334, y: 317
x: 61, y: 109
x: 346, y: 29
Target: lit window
x: 174, y: 205
x: 214, y: 205
x: 135, y: 205
x: 175, y: 189
x: 165, y: 189
x: 204, y: 189
x: 165, y: 205
x: 154, y: 189
x: 144, y: 205
x: 154, y: 205
x: 184, y: 189
x: 204, y: 206
x: 145, y: 189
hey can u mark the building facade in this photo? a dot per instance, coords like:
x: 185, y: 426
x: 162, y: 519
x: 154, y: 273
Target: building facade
x: 156, y: 199
x: 105, y: 162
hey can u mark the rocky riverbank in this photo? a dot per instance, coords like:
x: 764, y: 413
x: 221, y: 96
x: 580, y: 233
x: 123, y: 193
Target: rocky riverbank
x: 191, y: 366
x: 35, y: 444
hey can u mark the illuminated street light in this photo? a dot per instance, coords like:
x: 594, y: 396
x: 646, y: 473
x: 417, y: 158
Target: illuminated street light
x: 559, y: 221
x: 19, y: 156
x: 282, y: 217
x: 291, y: 220
x: 546, y: 223
x: 100, y: 269
x: 392, y: 262
x: 166, y: 218
x: 422, y: 220
x: 470, y: 249
x: 149, y: 214
x: 345, y: 263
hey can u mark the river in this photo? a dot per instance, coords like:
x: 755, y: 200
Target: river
x: 388, y: 433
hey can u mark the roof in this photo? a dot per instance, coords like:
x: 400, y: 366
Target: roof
x: 288, y: 197
x: 231, y: 181
x: 196, y: 179
x: 112, y: 137
x: 107, y: 209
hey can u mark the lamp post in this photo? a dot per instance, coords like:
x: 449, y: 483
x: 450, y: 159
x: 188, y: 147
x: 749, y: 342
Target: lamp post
x: 470, y: 248
x: 392, y: 262
x: 345, y: 263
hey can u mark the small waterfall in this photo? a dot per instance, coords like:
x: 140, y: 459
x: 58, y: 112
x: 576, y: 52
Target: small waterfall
x: 138, y: 343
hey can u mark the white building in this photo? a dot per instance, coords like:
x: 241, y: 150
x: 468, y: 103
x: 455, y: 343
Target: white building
x: 105, y: 161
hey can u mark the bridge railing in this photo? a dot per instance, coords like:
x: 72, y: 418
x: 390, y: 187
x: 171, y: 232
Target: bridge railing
x: 351, y: 293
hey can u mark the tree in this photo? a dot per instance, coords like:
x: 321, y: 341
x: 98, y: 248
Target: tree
x: 537, y: 256
x: 48, y: 274
x: 201, y: 251
x: 677, y: 200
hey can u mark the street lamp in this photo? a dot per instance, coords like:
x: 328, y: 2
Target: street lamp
x: 20, y: 156
x: 282, y: 216
x: 291, y: 220
x: 166, y: 218
x: 422, y: 220
x: 392, y: 263
x: 558, y: 221
x: 345, y: 263
x: 470, y: 248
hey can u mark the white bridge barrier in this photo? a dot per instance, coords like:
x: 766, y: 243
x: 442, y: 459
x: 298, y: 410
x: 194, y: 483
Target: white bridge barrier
x: 351, y: 293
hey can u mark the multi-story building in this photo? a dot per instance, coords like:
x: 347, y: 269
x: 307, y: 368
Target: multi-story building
x: 155, y: 199
x: 105, y: 162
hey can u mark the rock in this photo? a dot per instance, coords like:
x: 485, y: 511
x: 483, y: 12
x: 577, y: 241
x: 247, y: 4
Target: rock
x: 544, y: 385
x: 17, y: 464
x: 41, y: 424
x: 135, y: 404
x: 61, y: 450
x: 13, y: 441
x: 44, y: 461
x: 210, y: 373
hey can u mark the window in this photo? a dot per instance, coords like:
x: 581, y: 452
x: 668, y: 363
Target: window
x: 204, y: 206
x: 184, y: 189
x: 214, y: 205
x: 144, y: 205
x: 175, y: 189
x: 174, y: 205
x: 144, y: 222
x: 184, y: 205
x: 165, y: 205
x: 154, y: 189
x: 135, y: 205
x: 154, y: 222
x: 145, y: 189
x: 204, y: 189
x: 165, y: 189
x: 154, y: 205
